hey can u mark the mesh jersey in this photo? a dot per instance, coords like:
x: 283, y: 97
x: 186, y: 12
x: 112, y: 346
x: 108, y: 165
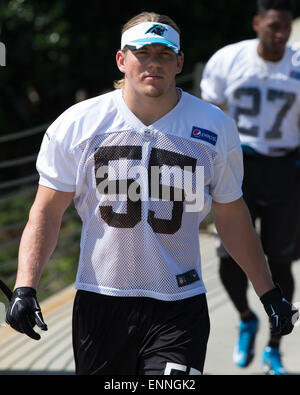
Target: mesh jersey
x: 140, y: 247
x: 263, y: 97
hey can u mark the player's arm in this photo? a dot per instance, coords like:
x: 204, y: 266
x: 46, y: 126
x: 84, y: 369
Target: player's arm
x: 234, y: 225
x: 37, y: 244
x: 40, y: 234
x: 235, y: 228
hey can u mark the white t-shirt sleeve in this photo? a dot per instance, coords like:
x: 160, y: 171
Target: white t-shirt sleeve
x: 56, y: 162
x: 213, y: 82
x: 226, y: 185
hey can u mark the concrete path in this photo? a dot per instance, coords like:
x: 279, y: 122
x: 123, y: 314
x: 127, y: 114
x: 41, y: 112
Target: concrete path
x: 224, y: 323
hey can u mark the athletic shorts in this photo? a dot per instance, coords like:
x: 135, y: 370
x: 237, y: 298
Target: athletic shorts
x: 271, y: 190
x: 139, y: 336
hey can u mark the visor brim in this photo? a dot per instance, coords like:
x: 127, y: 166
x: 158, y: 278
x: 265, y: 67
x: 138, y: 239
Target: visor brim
x: 138, y: 44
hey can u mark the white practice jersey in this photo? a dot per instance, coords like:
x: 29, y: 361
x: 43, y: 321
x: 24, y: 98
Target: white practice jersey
x: 262, y: 97
x: 136, y: 187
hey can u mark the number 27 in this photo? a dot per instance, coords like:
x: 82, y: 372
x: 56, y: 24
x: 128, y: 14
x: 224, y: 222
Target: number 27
x: 275, y: 132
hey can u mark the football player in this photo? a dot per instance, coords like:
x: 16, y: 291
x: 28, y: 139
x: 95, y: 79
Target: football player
x: 143, y: 164
x: 259, y: 82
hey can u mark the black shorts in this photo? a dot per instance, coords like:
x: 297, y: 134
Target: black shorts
x: 139, y: 336
x: 271, y: 190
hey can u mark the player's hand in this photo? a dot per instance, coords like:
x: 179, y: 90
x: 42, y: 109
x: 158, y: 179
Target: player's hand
x: 282, y: 314
x: 24, y: 312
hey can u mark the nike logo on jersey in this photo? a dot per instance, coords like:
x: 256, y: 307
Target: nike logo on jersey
x: 205, y: 135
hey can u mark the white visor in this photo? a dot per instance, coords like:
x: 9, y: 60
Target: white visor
x: 148, y: 33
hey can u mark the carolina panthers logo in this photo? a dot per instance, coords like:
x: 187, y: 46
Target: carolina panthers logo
x: 157, y: 29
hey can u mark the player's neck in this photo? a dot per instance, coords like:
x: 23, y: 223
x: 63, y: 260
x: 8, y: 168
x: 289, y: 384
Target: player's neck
x: 150, y: 109
x: 269, y: 56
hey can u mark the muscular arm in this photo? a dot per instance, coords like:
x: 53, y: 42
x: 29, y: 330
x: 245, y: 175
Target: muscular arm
x: 234, y: 225
x: 40, y: 234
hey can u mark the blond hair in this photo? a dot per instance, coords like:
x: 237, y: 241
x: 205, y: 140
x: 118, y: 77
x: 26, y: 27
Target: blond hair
x: 145, y: 17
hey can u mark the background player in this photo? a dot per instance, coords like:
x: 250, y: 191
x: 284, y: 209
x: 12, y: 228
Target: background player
x: 260, y: 84
x: 140, y: 306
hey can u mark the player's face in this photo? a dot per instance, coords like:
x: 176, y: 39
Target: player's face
x: 150, y: 70
x: 273, y: 29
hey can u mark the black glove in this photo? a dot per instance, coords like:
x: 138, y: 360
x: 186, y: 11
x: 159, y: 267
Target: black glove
x: 282, y: 314
x: 24, y: 312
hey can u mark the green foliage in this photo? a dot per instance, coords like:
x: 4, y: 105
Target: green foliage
x: 15, y: 210
x: 61, y: 269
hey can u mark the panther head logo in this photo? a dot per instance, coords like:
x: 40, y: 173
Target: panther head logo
x: 157, y: 29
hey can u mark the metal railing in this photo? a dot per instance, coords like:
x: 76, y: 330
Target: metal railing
x: 23, y: 189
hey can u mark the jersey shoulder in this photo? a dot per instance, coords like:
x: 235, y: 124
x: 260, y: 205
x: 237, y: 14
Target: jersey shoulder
x: 293, y: 57
x: 231, y: 52
x: 207, y: 117
x: 201, y: 109
x: 72, y: 125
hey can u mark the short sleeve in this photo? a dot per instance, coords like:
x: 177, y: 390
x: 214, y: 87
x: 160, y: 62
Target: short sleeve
x: 227, y: 182
x: 213, y: 82
x: 56, y: 163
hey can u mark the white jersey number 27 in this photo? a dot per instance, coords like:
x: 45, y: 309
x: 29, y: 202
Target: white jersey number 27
x: 287, y: 99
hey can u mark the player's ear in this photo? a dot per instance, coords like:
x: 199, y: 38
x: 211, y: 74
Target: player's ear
x: 256, y: 22
x: 120, y: 58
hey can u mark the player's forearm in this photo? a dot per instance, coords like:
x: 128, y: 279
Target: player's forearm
x: 242, y: 243
x: 249, y: 255
x: 37, y: 244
